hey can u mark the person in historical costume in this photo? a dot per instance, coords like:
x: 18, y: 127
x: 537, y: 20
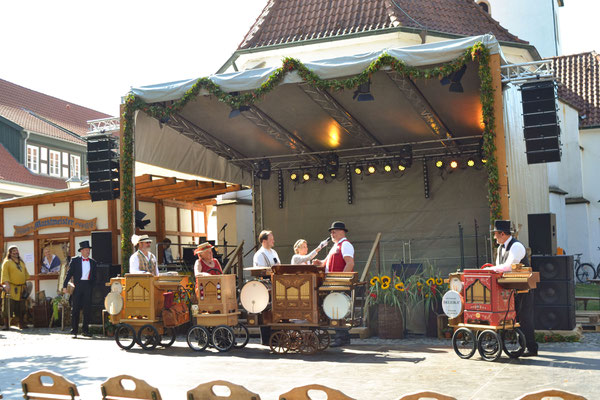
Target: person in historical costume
x: 511, y: 251
x: 301, y: 254
x: 50, y: 262
x: 13, y: 279
x: 206, y: 264
x: 82, y: 269
x: 339, y: 259
x: 142, y: 261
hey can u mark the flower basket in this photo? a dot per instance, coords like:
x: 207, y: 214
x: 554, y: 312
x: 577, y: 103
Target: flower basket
x: 389, y: 322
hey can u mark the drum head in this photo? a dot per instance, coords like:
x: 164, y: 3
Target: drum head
x: 116, y: 287
x: 254, y: 297
x: 337, y: 305
x: 113, y: 303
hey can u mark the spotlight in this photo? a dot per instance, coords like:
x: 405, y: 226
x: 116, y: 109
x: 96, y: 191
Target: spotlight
x: 238, y: 111
x: 306, y: 176
x: 363, y: 92
x: 294, y: 176
x: 453, y: 164
x: 320, y: 175
x: 263, y: 170
x: 358, y: 170
x: 387, y: 167
x: 439, y: 163
x: 454, y: 80
x: 332, y: 164
x: 371, y: 169
x: 483, y: 160
x: 401, y: 167
x: 471, y: 162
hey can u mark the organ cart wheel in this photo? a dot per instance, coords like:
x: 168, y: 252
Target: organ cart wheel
x: 125, y: 336
x: 324, y: 338
x: 198, y: 338
x: 168, y: 337
x: 241, y: 336
x: 279, y: 342
x: 223, y: 338
x: 513, y: 343
x: 489, y: 345
x: 310, y: 343
x: 148, y: 337
x: 295, y: 342
x: 464, y: 343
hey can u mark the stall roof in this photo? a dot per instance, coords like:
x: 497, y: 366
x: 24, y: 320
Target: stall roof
x: 147, y: 186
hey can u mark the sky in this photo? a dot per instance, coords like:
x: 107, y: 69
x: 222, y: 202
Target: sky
x: 91, y: 52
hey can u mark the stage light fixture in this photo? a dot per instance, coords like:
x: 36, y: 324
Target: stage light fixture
x: 332, y: 164
x: 371, y: 169
x: 454, y: 80
x: 406, y: 156
x: 263, y: 169
x: 306, y: 176
x: 483, y: 160
x: 453, y: 164
x: 363, y: 92
x: 280, y: 190
x: 320, y: 175
x: 358, y: 170
x: 439, y: 164
x: 387, y: 167
x: 401, y: 167
x: 293, y: 176
x: 470, y: 162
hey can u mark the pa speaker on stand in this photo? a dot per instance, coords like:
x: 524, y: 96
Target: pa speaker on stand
x: 554, y: 297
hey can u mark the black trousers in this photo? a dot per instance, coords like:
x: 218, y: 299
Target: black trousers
x: 524, y: 307
x: 82, y: 300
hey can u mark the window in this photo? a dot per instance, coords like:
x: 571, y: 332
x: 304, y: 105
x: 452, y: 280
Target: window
x: 485, y: 6
x: 33, y: 158
x: 54, y: 163
x: 74, y: 167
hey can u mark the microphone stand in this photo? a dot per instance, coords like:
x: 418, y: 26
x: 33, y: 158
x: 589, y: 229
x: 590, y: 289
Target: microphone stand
x: 226, y: 259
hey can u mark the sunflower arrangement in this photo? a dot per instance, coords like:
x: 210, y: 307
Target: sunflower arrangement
x: 386, y: 289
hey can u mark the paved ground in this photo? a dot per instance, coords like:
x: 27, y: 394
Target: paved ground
x: 369, y: 369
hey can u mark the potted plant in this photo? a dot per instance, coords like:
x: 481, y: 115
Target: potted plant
x: 388, y: 295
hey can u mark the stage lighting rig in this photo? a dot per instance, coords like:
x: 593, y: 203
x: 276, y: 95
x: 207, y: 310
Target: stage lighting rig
x: 306, y: 176
x: 358, y: 170
x: 294, y: 176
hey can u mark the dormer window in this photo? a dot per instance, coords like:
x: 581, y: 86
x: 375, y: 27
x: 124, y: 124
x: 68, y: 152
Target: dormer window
x: 485, y: 6
x: 33, y: 158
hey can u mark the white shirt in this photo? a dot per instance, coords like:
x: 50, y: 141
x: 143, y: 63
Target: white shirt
x: 85, y: 270
x: 265, y: 258
x: 134, y: 263
x: 347, y: 250
x: 516, y: 253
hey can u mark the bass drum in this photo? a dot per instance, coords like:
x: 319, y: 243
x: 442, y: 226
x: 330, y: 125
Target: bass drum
x: 113, y: 303
x: 336, y: 305
x: 256, y: 296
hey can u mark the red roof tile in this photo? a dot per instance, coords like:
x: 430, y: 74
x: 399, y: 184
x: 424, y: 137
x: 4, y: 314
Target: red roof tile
x: 579, y: 84
x: 12, y: 171
x: 15, y: 99
x: 288, y: 21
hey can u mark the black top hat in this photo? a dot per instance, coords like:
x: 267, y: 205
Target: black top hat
x: 84, y: 245
x: 338, y: 225
x: 502, y: 226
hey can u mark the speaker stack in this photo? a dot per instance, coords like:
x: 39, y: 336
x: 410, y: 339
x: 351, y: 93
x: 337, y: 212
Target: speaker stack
x: 540, y: 122
x: 542, y: 233
x: 554, y: 297
x: 102, y: 253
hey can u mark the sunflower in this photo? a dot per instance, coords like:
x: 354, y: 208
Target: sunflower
x: 385, y: 286
x: 439, y: 281
x: 430, y: 281
x: 374, y: 279
x: 386, y: 280
x: 400, y: 286
x: 419, y: 284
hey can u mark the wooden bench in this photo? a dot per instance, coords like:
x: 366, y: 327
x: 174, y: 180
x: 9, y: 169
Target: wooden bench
x: 585, y: 300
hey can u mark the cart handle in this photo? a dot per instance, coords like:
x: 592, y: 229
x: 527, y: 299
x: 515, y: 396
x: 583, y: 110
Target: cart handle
x: 487, y: 265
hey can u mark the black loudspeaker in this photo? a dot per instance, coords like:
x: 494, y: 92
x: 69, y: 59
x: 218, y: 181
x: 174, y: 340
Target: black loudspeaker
x: 104, y: 272
x: 555, y: 317
x: 542, y: 233
x: 98, y: 294
x: 554, y: 293
x: 102, y: 247
x: 540, y: 122
x: 553, y: 267
x: 103, y: 167
x: 96, y: 314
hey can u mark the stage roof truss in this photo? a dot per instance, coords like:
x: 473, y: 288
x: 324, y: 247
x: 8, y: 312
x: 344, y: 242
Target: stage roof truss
x: 526, y: 72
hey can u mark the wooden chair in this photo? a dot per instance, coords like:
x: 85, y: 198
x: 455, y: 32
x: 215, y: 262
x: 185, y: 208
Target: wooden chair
x: 60, y: 388
x: 426, y: 395
x: 553, y: 393
x: 206, y: 391
x: 113, y: 389
x: 301, y: 393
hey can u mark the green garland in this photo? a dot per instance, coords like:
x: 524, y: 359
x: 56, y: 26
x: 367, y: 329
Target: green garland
x: 477, y: 52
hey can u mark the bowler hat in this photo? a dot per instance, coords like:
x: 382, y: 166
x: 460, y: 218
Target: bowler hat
x: 502, y: 226
x: 338, y: 225
x: 201, y: 247
x: 84, y: 245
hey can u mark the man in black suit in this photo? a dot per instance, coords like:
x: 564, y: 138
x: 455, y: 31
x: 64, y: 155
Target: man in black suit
x: 83, y: 271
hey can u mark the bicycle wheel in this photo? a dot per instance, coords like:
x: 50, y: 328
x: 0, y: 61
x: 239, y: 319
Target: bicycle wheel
x: 489, y: 345
x: 585, y: 272
x: 513, y: 343
x: 464, y: 342
x: 168, y: 337
x: 148, y: 337
x: 197, y: 338
x: 125, y: 336
x: 241, y: 334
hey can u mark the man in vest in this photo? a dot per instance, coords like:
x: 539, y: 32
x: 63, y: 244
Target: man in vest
x: 13, y: 287
x: 142, y: 261
x: 83, y: 271
x: 511, y: 251
x: 339, y: 259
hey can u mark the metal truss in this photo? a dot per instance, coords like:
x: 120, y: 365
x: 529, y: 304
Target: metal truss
x: 526, y: 72
x: 339, y: 113
x: 257, y: 207
x: 278, y: 132
x: 423, y: 108
x: 103, y: 125
x: 199, y: 135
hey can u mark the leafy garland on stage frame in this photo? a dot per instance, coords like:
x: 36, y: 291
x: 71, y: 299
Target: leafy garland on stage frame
x: 478, y: 52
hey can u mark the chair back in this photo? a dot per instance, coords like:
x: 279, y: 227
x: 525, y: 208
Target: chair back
x: 553, y: 394
x: 113, y: 389
x: 206, y: 391
x: 58, y: 387
x: 301, y: 393
x: 426, y: 395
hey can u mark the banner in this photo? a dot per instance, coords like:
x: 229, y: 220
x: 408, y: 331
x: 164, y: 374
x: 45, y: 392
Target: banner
x: 53, y: 222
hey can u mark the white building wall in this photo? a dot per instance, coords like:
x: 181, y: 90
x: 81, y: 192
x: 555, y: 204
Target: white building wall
x: 590, y: 143
x: 533, y: 20
x: 559, y: 208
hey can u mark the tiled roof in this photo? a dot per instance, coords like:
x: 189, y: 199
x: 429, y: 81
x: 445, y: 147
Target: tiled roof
x: 15, y: 99
x: 12, y: 171
x: 287, y: 21
x: 579, y: 84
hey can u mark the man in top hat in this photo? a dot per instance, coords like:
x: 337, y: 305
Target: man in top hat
x: 83, y: 271
x: 142, y: 261
x: 13, y: 279
x: 511, y: 251
x: 339, y: 259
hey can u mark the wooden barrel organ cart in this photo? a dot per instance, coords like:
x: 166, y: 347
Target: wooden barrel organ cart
x: 142, y: 308
x: 481, y: 306
x: 300, y: 303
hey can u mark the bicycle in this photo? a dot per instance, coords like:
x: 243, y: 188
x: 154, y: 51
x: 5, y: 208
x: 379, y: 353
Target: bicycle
x: 585, y: 271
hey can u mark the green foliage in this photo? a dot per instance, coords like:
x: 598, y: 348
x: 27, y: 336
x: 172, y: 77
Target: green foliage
x: 554, y: 337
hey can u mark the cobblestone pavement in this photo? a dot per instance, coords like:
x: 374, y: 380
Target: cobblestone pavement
x: 368, y: 369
